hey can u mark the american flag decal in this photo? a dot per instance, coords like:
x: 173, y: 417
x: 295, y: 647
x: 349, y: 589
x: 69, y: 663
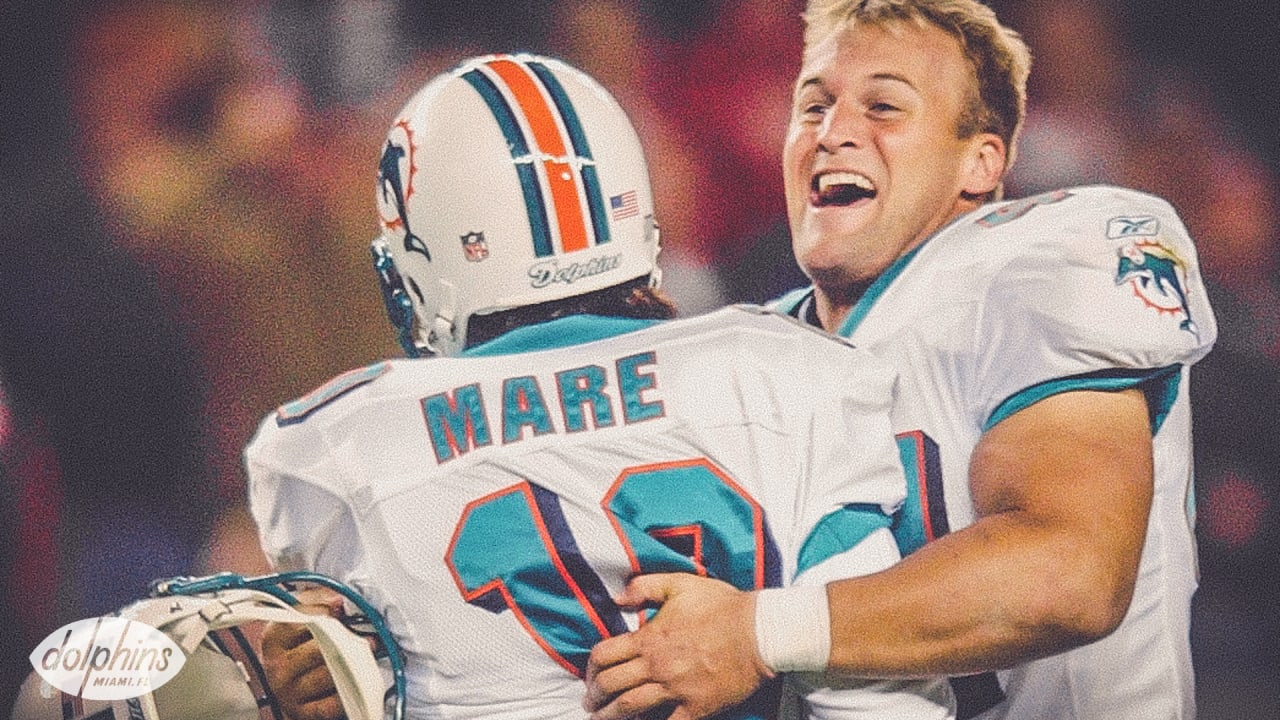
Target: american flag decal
x: 624, y: 206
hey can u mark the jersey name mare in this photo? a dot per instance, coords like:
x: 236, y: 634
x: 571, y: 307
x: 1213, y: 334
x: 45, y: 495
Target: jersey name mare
x: 590, y: 397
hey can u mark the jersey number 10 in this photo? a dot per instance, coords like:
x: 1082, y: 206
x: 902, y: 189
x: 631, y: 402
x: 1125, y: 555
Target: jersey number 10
x: 513, y: 550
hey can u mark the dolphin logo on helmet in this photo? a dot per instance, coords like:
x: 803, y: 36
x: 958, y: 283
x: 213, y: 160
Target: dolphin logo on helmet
x: 389, y: 180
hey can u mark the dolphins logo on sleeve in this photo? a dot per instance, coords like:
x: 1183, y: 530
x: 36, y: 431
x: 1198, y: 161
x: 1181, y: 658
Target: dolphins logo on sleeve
x: 1158, y: 278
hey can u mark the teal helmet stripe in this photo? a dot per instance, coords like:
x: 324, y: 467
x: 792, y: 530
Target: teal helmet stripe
x: 578, y: 136
x: 535, y: 208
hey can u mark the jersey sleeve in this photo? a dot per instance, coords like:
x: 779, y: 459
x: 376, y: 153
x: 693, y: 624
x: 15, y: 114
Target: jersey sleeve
x: 853, y: 479
x: 852, y: 455
x: 1107, y: 294
x: 855, y: 482
x: 303, y: 523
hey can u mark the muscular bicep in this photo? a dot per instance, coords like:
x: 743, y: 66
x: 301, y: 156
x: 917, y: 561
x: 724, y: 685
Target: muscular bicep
x: 1075, y: 468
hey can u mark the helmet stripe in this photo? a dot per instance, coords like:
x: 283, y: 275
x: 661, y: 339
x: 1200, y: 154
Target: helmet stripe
x: 560, y: 176
x: 572, y: 124
x: 535, y: 209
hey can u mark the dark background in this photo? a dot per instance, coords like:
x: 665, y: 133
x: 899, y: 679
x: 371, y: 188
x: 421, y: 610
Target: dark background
x: 185, y: 200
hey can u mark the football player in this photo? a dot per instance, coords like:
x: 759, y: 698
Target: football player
x: 1044, y: 347
x: 550, y: 436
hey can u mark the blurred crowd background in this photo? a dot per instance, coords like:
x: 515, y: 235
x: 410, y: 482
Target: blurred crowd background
x: 186, y: 198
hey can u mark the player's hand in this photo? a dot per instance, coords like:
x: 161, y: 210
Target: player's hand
x: 294, y: 666
x: 697, y: 655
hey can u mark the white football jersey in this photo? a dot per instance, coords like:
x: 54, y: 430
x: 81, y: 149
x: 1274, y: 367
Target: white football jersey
x: 491, y: 505
x: 1092, y: 287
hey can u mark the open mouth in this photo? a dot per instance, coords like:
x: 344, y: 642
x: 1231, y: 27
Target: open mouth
x: 836, y: 189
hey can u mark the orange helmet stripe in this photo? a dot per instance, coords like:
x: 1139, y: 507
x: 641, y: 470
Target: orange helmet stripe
x: 561, y: 177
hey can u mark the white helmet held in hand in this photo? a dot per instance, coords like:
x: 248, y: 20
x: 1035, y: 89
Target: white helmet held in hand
x: 190, y: 654
x: 511, y: 180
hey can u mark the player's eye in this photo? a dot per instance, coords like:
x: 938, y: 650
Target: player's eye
x: 811, y: 109
x: 883, y: 108
x: 811, y: 103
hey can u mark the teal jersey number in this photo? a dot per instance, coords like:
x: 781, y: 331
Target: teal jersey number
x: 513, y: 550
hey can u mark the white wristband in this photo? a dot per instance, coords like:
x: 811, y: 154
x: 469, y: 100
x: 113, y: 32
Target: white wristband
x: 793, y: 628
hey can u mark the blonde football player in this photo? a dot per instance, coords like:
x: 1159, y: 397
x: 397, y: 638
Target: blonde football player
x: 1044, y: 347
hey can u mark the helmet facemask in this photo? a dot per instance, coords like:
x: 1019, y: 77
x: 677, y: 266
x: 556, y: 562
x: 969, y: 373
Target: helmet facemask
x: 214, y: 622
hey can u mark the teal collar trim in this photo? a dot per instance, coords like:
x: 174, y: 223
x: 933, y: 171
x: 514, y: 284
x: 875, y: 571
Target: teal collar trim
x: 873, y: 293
x: 791, y: 302
x: 788, y: 303
x: 558, y: 333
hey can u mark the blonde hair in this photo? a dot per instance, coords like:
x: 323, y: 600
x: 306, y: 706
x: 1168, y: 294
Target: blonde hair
x: 1000, y: 58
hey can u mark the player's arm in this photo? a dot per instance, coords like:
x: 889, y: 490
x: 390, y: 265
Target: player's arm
x: 297, y: 519
x: 1062, y: 488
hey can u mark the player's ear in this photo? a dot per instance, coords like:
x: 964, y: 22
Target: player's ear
x: 984, y: 165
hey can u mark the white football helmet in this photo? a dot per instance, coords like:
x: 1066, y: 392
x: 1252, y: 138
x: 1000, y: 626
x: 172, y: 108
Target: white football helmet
x: 511, y: 180
x: 221, y: 677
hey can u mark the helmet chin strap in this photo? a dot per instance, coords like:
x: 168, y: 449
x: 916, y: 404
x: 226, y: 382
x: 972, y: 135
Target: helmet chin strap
x: 395, y: 297
x: 354, y: 670
x: 443, y: 336
x: 417, y: 336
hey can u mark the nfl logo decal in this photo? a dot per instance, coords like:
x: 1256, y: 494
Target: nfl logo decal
x: 475, y: 247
